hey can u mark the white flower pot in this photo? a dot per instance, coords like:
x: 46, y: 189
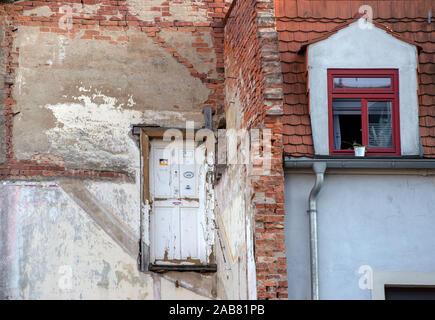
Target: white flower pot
x: 360, y: 151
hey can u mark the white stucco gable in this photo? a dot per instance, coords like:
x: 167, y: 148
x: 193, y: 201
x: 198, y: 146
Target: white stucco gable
x: 369, y: 47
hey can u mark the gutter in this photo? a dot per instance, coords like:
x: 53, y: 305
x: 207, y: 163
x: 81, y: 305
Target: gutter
x: 364, y: 163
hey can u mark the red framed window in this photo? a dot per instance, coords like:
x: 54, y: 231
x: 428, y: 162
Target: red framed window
x: 364, y: 111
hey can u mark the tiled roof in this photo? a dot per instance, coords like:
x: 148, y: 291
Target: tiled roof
x: 300, y: 22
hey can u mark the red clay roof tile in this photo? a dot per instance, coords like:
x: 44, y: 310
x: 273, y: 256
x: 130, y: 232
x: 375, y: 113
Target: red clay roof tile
x: 293, y: 99
x: 301, y: 21
x: 344, y: 25
x: 347, y: 9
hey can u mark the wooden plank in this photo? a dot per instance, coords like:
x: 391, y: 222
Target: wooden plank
x: 180, y: 267
x: 145, y: 150
x: 157, y: 132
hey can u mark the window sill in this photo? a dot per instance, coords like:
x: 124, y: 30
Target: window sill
x: 369, y: 162
x: 391, y: 156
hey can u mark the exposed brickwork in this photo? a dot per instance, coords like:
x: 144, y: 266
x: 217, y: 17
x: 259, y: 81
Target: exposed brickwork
x: 242, y: 61
x: 2, y: 98
x: 11, y: 64
x: 299, y: 22
x: 253, y: 76
x: 95, y: 19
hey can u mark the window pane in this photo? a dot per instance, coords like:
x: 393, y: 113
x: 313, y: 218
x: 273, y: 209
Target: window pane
x: 347, y: 123
x: 380, y: 124
x: 409, y: 293
x: 376, y: 83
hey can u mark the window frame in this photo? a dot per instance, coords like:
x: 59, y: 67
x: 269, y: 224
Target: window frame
x: 366, y: 95
x: 383, y: 278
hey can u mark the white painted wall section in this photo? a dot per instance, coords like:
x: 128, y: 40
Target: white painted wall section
x: 384, y: 222
x: 364, y: 48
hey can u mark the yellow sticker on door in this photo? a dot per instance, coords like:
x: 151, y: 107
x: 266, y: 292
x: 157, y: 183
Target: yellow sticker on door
x: 163, y: 162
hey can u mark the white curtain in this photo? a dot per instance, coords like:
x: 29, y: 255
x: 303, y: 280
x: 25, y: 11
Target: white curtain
x: 337, y: 132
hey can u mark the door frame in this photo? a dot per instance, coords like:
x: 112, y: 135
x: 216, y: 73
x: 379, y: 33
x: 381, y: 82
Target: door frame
x: 146, y: 134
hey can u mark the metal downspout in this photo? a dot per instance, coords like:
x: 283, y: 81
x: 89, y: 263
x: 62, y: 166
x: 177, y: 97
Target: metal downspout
x: 319, y: 169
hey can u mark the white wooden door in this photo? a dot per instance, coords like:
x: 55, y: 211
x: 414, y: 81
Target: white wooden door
x: 176, y: 234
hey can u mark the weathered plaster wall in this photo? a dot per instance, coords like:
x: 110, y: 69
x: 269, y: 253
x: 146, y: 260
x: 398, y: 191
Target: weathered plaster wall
x: 75, y: 95
x: 236, y: 277
x: 56, y: 251
x: 52, y: 249
x: 108, y: 64
x: 78, y: 98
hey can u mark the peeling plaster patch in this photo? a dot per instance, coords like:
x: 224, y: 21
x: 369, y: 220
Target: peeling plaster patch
x: 87, y: 132
x: 207, y: 201
x: 40, y: 11
x: 43, y: 158
x: 78, y: 9
x: 186, y: 10
x: 82, y: 89
x: 97, y: 129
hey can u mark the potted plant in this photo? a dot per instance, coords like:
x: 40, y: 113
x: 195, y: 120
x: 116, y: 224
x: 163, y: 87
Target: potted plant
x: 359, y: 149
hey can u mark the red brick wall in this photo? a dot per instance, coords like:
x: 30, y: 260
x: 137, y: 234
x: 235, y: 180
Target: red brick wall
x: 242, y: 61
x: 105, y: 19
x: 252, y: 69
